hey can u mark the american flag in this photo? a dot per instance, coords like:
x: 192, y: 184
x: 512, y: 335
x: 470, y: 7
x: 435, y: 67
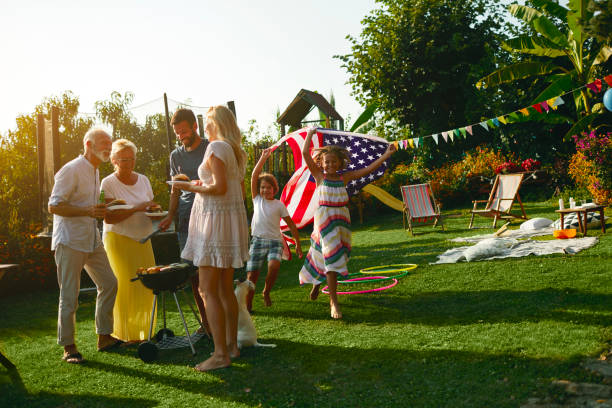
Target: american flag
x: 299, y: 194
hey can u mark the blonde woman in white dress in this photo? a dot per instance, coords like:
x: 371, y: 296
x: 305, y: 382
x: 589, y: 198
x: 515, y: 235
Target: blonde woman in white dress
x: 218, y: 233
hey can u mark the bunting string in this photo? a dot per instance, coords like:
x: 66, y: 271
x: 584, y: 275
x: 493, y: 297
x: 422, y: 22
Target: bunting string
x: 541, y: 107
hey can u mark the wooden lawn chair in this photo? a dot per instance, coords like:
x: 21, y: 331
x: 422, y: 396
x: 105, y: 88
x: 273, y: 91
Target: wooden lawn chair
x: 420, y: 206
x: 504, y: 192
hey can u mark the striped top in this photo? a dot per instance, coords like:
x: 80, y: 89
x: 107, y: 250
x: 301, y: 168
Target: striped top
x: 334, y: 195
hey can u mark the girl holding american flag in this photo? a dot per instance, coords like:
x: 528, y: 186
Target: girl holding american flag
x: 330, y: 242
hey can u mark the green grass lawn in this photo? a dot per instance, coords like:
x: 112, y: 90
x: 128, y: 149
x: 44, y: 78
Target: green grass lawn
x: 481, y: 334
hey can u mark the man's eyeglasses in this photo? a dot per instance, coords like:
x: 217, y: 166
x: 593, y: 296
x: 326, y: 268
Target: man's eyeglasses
x: 125, y: 160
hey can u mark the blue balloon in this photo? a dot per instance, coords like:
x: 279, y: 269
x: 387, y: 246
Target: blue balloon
x: 607, y: 99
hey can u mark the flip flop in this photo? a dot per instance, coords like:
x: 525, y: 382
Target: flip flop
x: 73, y: 358
x: 114, y: 344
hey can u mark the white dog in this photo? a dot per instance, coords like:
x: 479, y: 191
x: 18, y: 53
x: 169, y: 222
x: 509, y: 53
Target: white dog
x: 247, y: 335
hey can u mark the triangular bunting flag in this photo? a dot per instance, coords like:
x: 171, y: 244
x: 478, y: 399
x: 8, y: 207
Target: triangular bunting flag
x: 525, y: 111
x: 544, y: 104
x: 537, y: 107
x: 396, y: 145
x: 452, y: 137
x: 495, y: 121
x: 456, y: 132
x: 514, y: 116
x: 595, y: 86
x: 491, y: 123
x: 469, y: 129
x: 462, y: 130
x: 608, y: 80
x: 405, y: 143
x: 559, y: 101
x: 484, y: 125
x: 435, y: 137
x: 421, y: 140
x: 411, y: 143
x: 415, y: 140
x: 551, y: 103
x: 445, y: 137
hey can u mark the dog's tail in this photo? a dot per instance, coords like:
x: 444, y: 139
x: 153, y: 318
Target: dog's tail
x: 257, y: 344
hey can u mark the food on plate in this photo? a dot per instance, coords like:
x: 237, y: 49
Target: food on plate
x: 181, y: 177
x: 116, y: 202
x: 154, y: 209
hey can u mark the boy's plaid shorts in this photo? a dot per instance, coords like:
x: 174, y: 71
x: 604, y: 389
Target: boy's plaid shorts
x: 260, y: 247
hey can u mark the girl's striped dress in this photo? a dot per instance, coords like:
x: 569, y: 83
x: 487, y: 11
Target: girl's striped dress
x: 330, y: 242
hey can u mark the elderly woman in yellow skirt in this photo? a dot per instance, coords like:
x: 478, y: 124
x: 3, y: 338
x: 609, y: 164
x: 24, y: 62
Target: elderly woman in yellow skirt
x: 123, y: 228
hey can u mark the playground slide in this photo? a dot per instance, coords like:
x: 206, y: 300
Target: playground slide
x: 385, y: 197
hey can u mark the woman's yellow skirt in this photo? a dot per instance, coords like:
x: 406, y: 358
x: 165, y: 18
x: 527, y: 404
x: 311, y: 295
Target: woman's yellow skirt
x: 132, y: 311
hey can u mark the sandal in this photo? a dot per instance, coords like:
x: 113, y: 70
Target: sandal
x: 73, y: 358
x: 111, y: 345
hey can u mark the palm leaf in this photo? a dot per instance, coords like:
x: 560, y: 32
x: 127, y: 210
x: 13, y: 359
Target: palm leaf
x: 525, y: 13
x: 517, y: 71
x: 550, y: 31
x: 577, y: 13
x: 602, y: 56
x: 533, y: 45
x: 581, y: 126
x: 365, y: 116
x: 552, y: 9
x: 560, y: 86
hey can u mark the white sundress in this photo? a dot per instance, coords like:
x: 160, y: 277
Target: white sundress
x: 218, y: 231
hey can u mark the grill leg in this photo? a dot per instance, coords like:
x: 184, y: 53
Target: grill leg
x: 152, y: 316
x: 197, y: 317
x: 178, y: 306
x: 163, y: 296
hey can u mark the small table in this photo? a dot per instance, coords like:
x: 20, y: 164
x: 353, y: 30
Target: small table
x: 582, y: 216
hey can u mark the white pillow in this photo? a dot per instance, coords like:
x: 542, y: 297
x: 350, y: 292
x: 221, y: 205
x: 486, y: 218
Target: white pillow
x: 487, y: 248
x: 536, y: 223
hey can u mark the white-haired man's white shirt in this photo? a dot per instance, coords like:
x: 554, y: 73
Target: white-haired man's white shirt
x: 77, y: 183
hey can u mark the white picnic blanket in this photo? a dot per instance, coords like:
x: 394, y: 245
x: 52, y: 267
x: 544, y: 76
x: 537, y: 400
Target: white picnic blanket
x: 515, y: 249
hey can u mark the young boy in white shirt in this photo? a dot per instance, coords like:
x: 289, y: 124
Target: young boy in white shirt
x: 267, y: 240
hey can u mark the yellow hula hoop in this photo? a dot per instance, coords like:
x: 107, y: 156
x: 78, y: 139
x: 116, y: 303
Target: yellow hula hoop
x: 381, y: 269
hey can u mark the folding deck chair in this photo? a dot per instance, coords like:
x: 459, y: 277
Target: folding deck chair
x: 504, y: 192
x: 420, y: 206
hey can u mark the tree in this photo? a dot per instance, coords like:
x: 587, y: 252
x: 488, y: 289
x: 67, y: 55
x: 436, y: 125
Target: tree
x: 416, y: 60
x: 18, y: 161
x: 600, y: 22
x: 560, y: 52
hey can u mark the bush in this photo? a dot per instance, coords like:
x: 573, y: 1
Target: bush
x: 36, y: 263
x: 591, y: 165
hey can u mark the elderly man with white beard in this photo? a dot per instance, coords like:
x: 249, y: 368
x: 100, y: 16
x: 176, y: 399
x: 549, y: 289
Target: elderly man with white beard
x: 77, y: 243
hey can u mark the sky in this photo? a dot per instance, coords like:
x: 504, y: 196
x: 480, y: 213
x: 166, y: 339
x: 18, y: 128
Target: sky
x: 256, y: 53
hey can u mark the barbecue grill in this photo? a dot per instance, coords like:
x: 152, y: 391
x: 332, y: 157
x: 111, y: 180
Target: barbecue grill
x: 172, y: 278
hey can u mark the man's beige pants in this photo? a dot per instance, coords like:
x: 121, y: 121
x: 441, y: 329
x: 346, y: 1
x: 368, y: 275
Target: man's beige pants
x: 69, y: 263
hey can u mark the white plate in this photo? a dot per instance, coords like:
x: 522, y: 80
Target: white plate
x: 156, y: 214
x: 119, y: 207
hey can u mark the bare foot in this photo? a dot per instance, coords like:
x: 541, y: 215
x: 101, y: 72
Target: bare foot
x: 213, y: 363
x: 267, y: 300
x: 335, y: 311
x: 233, y: 351
x: 314, y: 293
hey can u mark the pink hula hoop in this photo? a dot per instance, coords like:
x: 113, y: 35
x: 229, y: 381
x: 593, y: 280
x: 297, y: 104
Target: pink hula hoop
x: 358, y: 292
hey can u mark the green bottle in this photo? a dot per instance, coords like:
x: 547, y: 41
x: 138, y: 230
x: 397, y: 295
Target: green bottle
x: 101, y: 200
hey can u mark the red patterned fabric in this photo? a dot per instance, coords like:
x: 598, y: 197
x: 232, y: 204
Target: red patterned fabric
x: 417, y: 200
